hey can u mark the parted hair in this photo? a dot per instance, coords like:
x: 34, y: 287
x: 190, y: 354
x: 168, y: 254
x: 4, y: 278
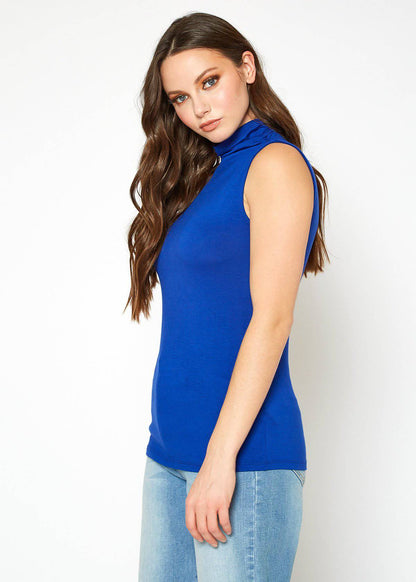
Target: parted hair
x: 176, y: 163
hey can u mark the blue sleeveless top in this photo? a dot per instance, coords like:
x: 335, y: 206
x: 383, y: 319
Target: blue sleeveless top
x: 203, y: 269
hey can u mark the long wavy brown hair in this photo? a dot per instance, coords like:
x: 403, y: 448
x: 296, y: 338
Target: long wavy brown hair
x: 176, y: 163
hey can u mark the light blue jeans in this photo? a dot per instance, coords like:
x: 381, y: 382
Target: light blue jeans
x: 265, y: 515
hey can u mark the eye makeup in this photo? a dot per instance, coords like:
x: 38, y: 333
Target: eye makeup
x: 212, y: 78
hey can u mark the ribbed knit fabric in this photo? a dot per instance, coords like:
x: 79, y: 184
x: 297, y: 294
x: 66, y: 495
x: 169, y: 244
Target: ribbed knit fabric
x: 204, y: 268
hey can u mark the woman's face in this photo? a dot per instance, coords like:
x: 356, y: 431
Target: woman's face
x: 203, y: 85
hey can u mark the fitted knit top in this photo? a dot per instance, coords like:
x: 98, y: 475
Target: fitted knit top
x: 203, y: 269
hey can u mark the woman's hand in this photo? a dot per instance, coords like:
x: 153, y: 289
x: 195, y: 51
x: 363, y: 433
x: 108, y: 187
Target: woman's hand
x: 209, y: 498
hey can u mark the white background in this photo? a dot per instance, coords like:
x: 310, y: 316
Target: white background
x: 76, y: 372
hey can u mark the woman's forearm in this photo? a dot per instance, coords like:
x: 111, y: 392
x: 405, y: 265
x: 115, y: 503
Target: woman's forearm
x: 255, y: 367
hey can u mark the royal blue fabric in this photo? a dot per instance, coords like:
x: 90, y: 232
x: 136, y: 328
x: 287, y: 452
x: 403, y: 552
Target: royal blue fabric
x: 203, y: 268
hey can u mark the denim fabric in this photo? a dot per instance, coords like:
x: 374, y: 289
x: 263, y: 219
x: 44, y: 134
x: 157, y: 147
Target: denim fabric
x: 265, y: 514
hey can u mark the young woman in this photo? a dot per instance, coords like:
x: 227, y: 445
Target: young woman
x: 231, y: 219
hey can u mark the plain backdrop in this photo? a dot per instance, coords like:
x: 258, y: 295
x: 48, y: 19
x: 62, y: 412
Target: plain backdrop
x: 76, y: 372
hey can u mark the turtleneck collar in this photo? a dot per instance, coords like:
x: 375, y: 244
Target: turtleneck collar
x: 240, y: 134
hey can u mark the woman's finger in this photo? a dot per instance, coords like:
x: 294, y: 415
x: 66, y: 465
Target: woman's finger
x: 213, y: 527
x: 201, y: 524
x: 190, y: 522
x: 224, y: 518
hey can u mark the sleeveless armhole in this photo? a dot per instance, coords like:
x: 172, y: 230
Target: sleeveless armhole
x: 315, y: 186
x: 315, y: 211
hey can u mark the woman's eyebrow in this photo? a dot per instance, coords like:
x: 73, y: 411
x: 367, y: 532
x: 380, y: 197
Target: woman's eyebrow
x: 199, y: 77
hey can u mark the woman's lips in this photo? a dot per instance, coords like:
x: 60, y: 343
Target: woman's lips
x: 211, y: 126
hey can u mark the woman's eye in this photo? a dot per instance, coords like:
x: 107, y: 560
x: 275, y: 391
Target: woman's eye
x: 175, y: 100
x: 211, y: 79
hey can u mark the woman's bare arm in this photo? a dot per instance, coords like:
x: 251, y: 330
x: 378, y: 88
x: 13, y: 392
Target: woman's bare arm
x: 279, y: 193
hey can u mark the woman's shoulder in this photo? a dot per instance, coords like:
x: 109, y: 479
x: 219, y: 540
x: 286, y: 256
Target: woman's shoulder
x: 277, y: 161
